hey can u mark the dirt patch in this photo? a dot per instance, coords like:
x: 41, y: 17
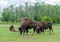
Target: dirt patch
x: 12, y: 41
x: 29, y: 38
x: 57, y: 27
x: 58, y: 37
x: 46, y: 41
x: 0, y: 41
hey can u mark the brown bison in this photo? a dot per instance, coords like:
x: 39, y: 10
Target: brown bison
x: 46, y: 25
x: 11, y: 28
x: 27, y: 24
x: 40, y: 25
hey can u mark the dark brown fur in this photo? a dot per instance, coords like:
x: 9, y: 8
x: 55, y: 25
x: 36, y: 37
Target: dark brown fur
x: 47, y: 25
x: 27, y: 24
x: 41, y: 29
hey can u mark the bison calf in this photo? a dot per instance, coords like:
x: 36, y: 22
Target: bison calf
x: 11, y: 28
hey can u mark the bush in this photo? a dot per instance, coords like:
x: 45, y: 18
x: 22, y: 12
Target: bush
x: 47, y: 18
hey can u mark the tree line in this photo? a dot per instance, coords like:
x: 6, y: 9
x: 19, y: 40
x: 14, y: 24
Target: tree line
x: 37, y: 12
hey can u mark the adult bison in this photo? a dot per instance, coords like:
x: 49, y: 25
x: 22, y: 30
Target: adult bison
x: 41, y: 28
x: 27, y: 24
x: 45, y: 25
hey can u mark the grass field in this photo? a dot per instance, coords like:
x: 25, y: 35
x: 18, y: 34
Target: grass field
x: 8, y: 36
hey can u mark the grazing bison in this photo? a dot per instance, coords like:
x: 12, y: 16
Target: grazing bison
x: 46, y: 25
x: 41, y: 29
x: 27, y: 24
x: 12, y: 29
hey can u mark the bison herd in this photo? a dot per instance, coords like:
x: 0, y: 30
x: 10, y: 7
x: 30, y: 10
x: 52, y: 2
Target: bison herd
x: 37, y: 26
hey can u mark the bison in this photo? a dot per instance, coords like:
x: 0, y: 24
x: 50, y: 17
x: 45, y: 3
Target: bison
x: 46, y: 25
x: 11, y: 28
x: 40, y: 25
x: 27, y: 24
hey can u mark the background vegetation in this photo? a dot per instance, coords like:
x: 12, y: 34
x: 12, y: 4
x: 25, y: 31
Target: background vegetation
x: 36, y: 11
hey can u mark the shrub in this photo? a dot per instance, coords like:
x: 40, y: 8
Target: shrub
x: 47, y: 18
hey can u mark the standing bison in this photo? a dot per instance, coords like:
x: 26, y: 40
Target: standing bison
x: 27, y: 24
x: 41, y: 28
x: 45, y: 25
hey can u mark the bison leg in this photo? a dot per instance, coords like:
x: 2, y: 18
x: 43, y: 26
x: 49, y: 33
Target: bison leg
x: 51, y: 29
x: 23, y: 31
x: 38, y: 31
x: 42, y: 29
x: 26, y: 31
x: 20, y: 30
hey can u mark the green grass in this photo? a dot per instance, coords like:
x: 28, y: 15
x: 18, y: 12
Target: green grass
x: 8, y: 36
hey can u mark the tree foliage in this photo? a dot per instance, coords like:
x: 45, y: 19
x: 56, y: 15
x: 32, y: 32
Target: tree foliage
x: 37, y: 12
